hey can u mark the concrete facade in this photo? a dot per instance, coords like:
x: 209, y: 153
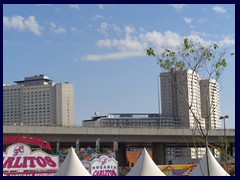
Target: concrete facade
x: 38, y: 101
x: 64, y: 104
x: 179, y: 89
x: 210, y: 100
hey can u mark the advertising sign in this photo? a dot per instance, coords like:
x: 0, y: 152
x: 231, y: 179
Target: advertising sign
x: 104, y: 166
x: 20, y: 157
x: 26, y: 140
x: 38, y: 173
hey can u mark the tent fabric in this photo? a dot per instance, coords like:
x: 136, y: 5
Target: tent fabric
x: 72, y: 166
x: 145, y: 166
x: 215, y: 168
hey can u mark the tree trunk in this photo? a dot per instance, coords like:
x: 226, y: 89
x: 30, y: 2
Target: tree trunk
x: 207, y: 160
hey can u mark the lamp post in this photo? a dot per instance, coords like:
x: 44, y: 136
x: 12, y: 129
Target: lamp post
x: 225, y: 138
x: 158, y: 88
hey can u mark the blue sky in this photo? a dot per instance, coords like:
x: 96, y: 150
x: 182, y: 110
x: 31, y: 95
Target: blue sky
x: 100, y: 48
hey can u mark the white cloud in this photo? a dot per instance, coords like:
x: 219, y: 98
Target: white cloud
x: 161, y: 40
x: 129, y: 29
x: 132, y: 46
x: 113, y: 56
x: 105, y: 43
x: 178, y: 7
x: 223, y: 41
x: 219, y: 9
x: 16, y: 22
x: 205, y: 35
x: 21, y: 24
x: 188, y: 20
x: 226, y: 42
x: 103, y: 28
x: 135, y: 46
x: 127, y: 44
x: 57, y: 30
x: 33, y: 25
x: 197, y: 38
x: 96, y: 17
x: 74, y: 6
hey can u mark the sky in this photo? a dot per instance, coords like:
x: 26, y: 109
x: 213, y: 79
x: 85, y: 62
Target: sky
x: 101, y: 49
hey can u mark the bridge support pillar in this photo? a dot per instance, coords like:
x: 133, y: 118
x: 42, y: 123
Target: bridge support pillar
x: 121, y: 156
x: 158, y: 153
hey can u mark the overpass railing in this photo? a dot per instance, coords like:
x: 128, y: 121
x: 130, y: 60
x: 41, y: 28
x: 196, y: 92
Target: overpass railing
x: 96, y: 126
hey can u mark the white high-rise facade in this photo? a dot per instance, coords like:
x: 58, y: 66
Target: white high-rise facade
x: 38, y: 101
x: 179, y: 90
x: 210, y: 100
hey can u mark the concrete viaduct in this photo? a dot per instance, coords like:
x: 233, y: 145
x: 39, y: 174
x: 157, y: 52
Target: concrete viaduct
x: 157, y: 138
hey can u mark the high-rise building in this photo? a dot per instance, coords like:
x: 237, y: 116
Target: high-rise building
x: 38, y: 101
x: 210, y: 100
x: 179, y: 91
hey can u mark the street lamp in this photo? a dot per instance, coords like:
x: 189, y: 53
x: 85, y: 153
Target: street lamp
x: 224, y: 125
x: 159, y: 105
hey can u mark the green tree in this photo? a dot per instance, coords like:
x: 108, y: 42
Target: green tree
x: 221, y: 145
x: 203, y: 59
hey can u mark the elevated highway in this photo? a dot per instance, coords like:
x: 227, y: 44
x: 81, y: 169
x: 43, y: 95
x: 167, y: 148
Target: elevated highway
x: 107, y: 134
x: 158, y: 138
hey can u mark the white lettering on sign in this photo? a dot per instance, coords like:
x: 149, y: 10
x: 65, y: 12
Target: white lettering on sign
x: 20, y: 157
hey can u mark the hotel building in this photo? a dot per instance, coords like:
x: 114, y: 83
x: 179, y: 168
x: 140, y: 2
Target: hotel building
x: 38, y: 101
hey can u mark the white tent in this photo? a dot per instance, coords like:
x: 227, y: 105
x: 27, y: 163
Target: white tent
x: 215, y: 168
x: 72, y: 166
x: 145, y: 166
